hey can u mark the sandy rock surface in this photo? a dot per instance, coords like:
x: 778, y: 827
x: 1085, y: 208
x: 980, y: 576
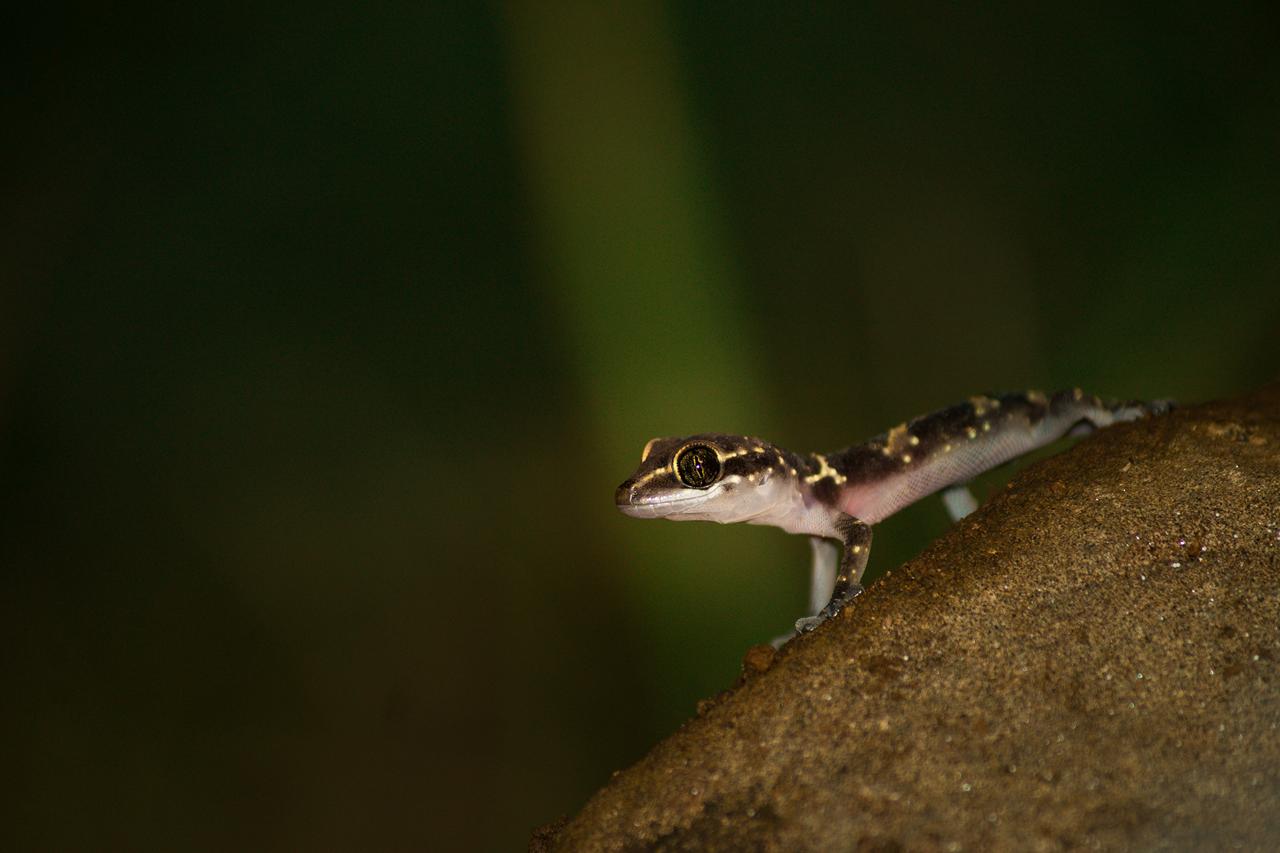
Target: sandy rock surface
x: 1090, y: 660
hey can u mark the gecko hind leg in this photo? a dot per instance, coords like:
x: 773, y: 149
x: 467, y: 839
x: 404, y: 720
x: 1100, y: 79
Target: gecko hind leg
x: 856, y: 536
x: 959, y: 501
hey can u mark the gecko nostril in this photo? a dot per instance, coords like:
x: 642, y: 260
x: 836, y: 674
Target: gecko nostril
x: 622, y: 497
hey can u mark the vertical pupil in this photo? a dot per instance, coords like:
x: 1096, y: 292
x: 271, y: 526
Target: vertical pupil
x: 698, y: 467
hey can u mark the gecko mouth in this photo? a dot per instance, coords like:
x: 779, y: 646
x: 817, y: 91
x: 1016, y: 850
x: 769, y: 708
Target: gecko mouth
x: 648, y: 507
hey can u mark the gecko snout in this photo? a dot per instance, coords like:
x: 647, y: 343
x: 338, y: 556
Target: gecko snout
x: 625, y: 493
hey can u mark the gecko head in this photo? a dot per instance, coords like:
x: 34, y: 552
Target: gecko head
x: 708, y: 477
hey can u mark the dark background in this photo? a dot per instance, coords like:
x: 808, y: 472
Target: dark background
x: 326, y: 334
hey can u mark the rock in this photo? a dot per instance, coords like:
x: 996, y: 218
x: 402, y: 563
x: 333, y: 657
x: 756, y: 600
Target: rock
x: 1090, y: 660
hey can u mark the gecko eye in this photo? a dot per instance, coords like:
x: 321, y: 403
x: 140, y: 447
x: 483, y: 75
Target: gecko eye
x: 697, y: 466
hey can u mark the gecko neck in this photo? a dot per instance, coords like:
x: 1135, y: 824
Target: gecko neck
x: 809, y: 499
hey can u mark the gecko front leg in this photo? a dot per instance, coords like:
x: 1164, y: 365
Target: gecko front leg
x: 855, y: 537
x: 826, y: 564
x: 825, y: 567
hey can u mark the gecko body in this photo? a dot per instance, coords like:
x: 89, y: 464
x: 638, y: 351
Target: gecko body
x: 834, y: 498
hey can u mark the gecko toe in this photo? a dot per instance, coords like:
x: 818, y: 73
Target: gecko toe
x: 808, y: 623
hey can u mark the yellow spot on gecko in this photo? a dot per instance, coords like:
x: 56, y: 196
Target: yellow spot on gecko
x: 971, y: 432
x: 980, y: 405
x: 906, y: 457
x: 1038, y: 398
x: 825, y: 470
x: 986, y: 426
x: 896, y: 438
x: 946, y: 448
x: 1077, y: 394
x: 915, y: 440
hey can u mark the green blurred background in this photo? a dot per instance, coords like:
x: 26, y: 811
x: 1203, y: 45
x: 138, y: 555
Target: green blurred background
x: 327, y: 332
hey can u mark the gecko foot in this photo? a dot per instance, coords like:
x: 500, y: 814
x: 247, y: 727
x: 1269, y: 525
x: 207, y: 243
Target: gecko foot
x: 808, y: 623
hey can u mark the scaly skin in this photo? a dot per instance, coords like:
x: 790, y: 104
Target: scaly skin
x: 838, y: 496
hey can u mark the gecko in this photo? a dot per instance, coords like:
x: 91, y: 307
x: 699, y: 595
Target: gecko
x: 835, y: 498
